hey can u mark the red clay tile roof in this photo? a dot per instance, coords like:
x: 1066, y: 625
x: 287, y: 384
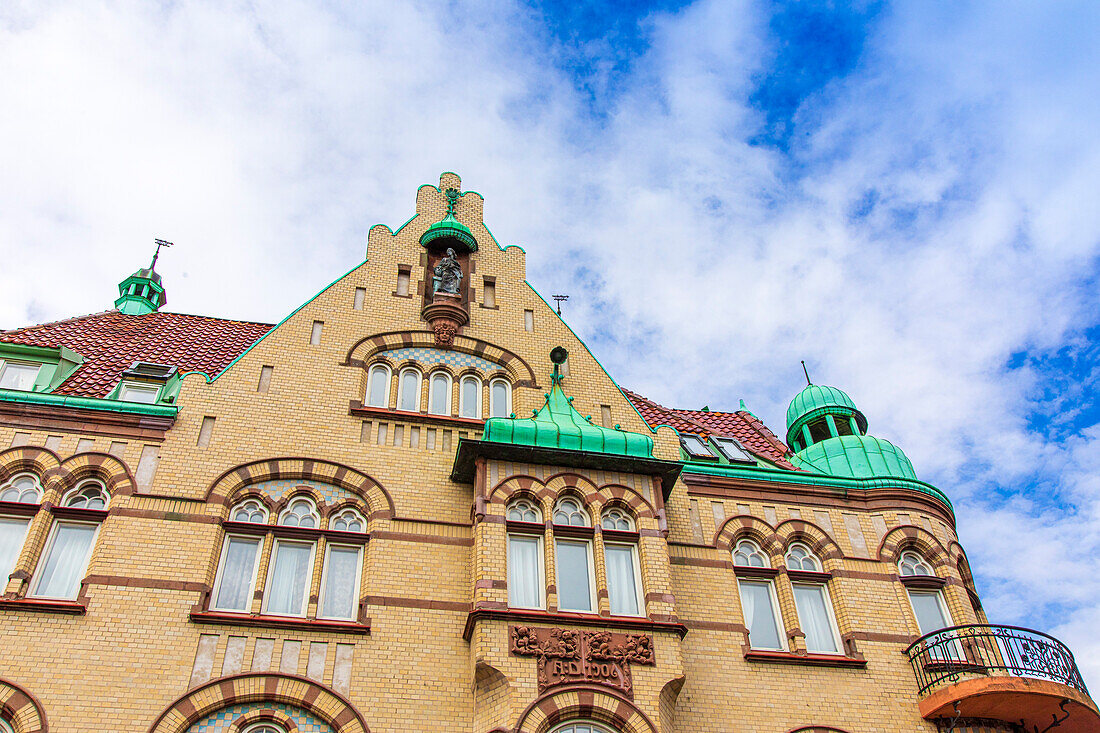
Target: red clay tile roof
x: 111, y: 341
x: 742, y: 425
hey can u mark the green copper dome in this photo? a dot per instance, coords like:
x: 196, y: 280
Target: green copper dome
x: 815, y: 401
x: 449, y: 231
x: 559, y: 425
x: 855, y: 456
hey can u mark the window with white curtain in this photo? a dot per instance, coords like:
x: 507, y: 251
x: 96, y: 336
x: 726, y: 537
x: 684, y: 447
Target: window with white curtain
x: 408, y: 391
x: 237, y: 574
x: 378, y: 387
x: 623, y: 581
x: 500, y: 398
x: 761, y: 610
x: 469, y: 397
x: 138, y: 392
x: 932, y: 615
x: 21, y: 489
x: 18, y: 375
x: 340, y: 582
x: 439, y: 394
x: 525, y: 585
x: 288, y: 578
x: 65, y: 560
x: 13, y: 530
x: 815, y: 618
x: 575, y: 581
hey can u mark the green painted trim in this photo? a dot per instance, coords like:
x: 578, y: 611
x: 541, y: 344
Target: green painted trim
x: 280, y: 323
x: 778, y: 475
x: 493, y: 236
x: 548, y: 307
x: 394, y: 232
x: 56, y: 364
x: 87, y: 403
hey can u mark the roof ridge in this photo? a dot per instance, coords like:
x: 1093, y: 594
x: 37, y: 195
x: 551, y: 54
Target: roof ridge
x: 58, y: 322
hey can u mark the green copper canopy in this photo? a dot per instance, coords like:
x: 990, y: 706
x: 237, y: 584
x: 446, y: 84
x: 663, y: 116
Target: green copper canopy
x: 449, y: 231
x: 816, y: 400
x: 559, y: 425
x: 855, y: 456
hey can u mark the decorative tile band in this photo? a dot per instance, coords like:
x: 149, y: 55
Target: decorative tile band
x: 430, y: 357
x: 278, y: 488
x: 221, y: 721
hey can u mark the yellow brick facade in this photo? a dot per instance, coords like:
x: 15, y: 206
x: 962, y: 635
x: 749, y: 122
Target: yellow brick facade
x: 144, y: 652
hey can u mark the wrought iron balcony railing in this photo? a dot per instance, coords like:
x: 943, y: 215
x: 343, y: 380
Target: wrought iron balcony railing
x: 949, y: 655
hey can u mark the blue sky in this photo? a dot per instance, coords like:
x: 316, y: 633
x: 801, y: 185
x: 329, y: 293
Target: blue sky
x: 903, y: 194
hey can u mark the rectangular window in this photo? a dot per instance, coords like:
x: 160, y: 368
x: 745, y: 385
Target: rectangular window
x: 133, y: 392
x: 761, y: 613
x: 816, y: 619
x: 233, y: 587
x: 265, y: 378
x: 360, y: 296
x: 932, y: 615
x: 65, y: 560
x: 18, y: 375
x: 489, y: 293
x: 622, y: 580
x: 340, y: 589
x: 733, y: 451
x: 403, y: 282
x: 206, y: 431
x: 695, y: 446
x: 574, y: 576
x: 288, y: 580
x: 528, y: 320
x: 12, y: 533
x: 315, y: 333
x: 524, y: 572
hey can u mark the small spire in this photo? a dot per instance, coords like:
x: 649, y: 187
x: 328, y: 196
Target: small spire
x: 160, y: 243
x: 804, y: 371
x: 452, y: 197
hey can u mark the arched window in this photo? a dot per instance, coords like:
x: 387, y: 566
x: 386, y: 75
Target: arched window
x: 89, y: 495
x: 500, y: 398
x: 348, y: 520
x: 799, y: 557
x: 582, y: 727
x: 264, y: 728
x: 469, y: 397
x: 524, y: 510
x: 525, y: 565
x: 910, y: 564
x: 250, y: 510
x: 439, y: 394
x: 69, y: 545
x: 378, y: 387
x: 615, y: 518
x: 747, y: 554
x: 300, y: 513
x: 22, y: 489
x: 569, y: 512
x: 408, y: 390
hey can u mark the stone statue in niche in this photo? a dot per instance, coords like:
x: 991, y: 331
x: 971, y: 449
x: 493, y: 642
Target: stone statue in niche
x: 448, y: 273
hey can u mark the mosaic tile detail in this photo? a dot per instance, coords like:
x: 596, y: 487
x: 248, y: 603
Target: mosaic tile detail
x: 279, y: 487
x: 431, y: 357
x: 220, y: 721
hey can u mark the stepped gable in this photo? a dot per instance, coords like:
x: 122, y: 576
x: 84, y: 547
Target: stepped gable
x: 742, y: 425
x: 111, y: 342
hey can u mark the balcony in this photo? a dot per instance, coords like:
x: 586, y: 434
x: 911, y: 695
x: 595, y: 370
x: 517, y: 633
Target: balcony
x: 1002, y: 673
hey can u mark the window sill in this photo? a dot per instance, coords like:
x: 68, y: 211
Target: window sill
x: 70, y: 512
x: 638, y: 623
x: 748, y: 571
x: 812, y: 660
x: 300, y: 533
x: 358, y: 409
x: 279, y: 622
x: 18, y: 508
x: 525, y: 527
x: 619, y: 535
x: 923, y: 582
x: 43, y: 605
x: 573, y: 530
x: 808, y: 576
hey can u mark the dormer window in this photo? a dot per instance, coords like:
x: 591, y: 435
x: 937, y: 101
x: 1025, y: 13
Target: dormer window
x: 147, y: 383
x: 733, y: 451
x: 18, y: 375
x: 138, y: 392
x: 695, y: 446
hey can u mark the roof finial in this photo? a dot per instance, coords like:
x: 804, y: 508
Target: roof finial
x: 808, y: 382
x: 452, y: 196
x: 160, y: 243
x: 558, y: 355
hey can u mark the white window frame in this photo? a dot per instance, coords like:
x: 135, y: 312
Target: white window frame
x: 324, y: 581
x: 829, y: 611
x: 635, y: 560
x: 80, y: 489
x: 10, y: 484
x: 4, y: 572
x: 370, y: 384
x: 401, y: 389
x: 592, y: 607
x: 431, y: 392
x: 631, y: 526
x: 540, y: 571
x: 221, y: 568
x: 462, y: 397
x: 251, y: 500
x: 732, y: 449
x: 686, y: 440
x: 311, y: 564
x: 757, y: 550
x: 343, y: 514
x: 48, y: 548
x: 955, y: 648
x: 809, y: 553
x: 777, y: 617
x: 265, y: 726
x: 38, y: 366
x: 531, y: 504
x: 507, y: 396
x: 581, y: 509
x: 300, y: 499
x: 141, y: 388
x: 920, y: 561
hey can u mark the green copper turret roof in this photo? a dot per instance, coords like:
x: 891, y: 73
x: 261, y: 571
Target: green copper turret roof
x: 558, y: 425
x: 450, y: 228
x: 855, y: 456
x: 816, y: 400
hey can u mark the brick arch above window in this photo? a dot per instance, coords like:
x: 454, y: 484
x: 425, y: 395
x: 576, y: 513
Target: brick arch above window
x: 817, y: 729
x: 561, y: 484
x: 811, y: 535
x: 397, y: 345
x: 917, y: 539
x: 583, y: 702
x: 743, y: 526
x: 254, y: 692
x: 58, y: 477
x: 21, y: 710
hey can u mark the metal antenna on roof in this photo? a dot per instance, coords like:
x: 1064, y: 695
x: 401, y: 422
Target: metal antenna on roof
x: 808, y: 382
x: 559, y: 299
x: 160, y: 243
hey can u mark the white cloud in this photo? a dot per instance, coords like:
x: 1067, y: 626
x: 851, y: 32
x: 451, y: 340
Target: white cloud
x: 265, y: 139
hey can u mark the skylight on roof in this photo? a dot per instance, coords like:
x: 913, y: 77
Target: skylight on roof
x: 695, y: 446
x: 733, y: 450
